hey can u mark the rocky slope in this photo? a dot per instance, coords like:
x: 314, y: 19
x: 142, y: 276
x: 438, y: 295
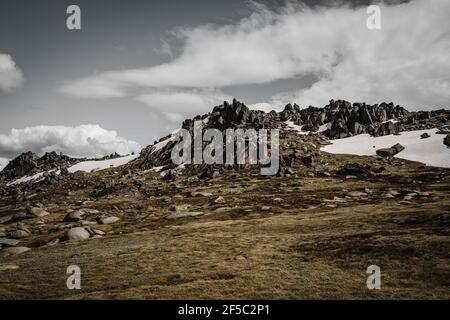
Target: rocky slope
x: 150, y: 229
x: 339, y: 119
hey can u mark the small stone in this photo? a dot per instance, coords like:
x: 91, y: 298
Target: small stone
x: 219, y: 200
x: 178, y: 215
x: 19, y: 234
x: 73, y: 216
x: 266, y: 208
x: 20, y: 216
x: 5, y: 267
x: 52, y: 243
x: 180, y: 208
x: 9, y: 242
x: 98, y: 232
x: 12, y: 251
x: 108, y: 220
x: 5, y: 219
x: 354, y: 194
x: 201, y: 194
x: 38, y: 212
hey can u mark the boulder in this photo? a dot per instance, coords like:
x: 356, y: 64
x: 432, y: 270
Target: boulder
x: 392, y: 151
x: 424, y: 135
x: 77, y: 233
x: 398, y: 147
x: 386, y: 152
x: 73, y: 216
x: 447, y: 140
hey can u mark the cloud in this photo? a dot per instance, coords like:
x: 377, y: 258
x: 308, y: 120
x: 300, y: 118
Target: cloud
x: 81, y: 141
x: 11, y: 76
x: 3, y: 163
x: 405, y: 62
x: 176, y: 105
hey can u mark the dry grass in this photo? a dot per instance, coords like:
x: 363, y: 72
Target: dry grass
x: 300, y: 249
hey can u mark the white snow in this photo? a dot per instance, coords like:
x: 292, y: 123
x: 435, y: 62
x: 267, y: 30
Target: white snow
x: 326, y: 126
x: 391, y: 120
x: 88, y: 166
x: 163, y: 143
x: 85, y: 166
x: 430, y: 151
x: 36, y: 177
x: 3, y: 163
x: 296, y: 127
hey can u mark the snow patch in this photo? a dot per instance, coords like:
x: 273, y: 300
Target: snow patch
x: 430, y: 151
x: 89, y: 166
x: 85, y: 166
x: 163, y: 143
x: 296, y: 127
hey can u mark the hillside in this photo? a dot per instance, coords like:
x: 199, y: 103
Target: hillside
x: 346, y: 196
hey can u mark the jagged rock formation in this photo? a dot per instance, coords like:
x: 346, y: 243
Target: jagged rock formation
x: 29, y: 163
x: 338, y: 119
x: 348, y: 119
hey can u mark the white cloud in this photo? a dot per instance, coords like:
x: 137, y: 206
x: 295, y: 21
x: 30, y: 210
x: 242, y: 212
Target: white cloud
x: 81, y: 141
x: 3, y: 163
x: 176, y: 105
x: 405, y: 62
x: 10, y: 75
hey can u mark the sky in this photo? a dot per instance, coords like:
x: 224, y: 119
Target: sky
x: 137, y: 68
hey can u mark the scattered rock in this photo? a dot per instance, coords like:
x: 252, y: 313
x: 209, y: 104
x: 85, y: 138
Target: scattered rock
x: 19, y: 234
x: 108, y: 220
x: 424, y: 136
x: 219, y: 200
x: 98, y: 232
x: 52, y: 243
x: 5, y: 219
x: 12, y: 251
x: 180, y: 207
x: 9, y: 242
x: 392, y: 151
x: 73, y: 216
x: 5, y: 267
x: 77, y: 233
x: 201, y: 194
x: 38, y: 212
x: 178, y: 215
x: 354, y: 194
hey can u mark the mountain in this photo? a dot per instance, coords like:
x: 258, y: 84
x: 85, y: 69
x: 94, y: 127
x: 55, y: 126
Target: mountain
x: 349, y: 192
